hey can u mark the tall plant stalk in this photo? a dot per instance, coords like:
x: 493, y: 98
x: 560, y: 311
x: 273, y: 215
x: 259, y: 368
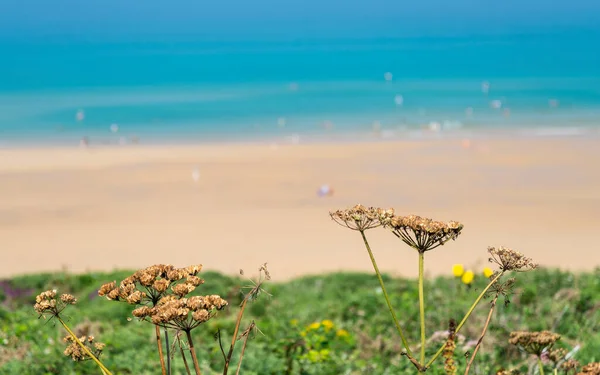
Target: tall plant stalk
x: 469, y: 312
x: 422, y: 304
x: 385, y: 294
x: 83, y: 347
x: 485, y: 327
x: 160, y: 350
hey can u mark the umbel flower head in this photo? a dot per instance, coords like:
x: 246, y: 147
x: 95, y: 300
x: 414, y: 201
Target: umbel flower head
x: 423, y: 234
x: 182, y: 313
x: 46, y: 303
x: 590, y: 369
x: 510, y: 260
x: 75, y: 351
x: 361, y: 218
x: 534, y: 342
x: 149, y: 285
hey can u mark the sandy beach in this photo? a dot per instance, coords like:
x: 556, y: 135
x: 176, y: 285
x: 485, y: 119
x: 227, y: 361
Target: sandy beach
x: 129, y: 207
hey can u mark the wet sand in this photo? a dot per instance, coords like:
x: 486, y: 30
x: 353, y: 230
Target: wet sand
x: 129, y: 207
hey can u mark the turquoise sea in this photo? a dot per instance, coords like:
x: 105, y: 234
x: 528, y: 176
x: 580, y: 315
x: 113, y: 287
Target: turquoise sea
x: 191, y: 90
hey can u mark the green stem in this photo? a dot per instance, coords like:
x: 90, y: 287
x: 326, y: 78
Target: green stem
x: 83, y: 347
x: 422, y: 304
x: 387, y: 298
x: 462, y: 322
x: 540, y: 366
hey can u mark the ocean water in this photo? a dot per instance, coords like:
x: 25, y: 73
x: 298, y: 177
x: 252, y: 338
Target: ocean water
x: 193, y: 90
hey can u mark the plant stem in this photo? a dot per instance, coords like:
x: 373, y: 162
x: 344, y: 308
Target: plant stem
x: 485, y: 327
x: 540, y: 366
x: 193, y: 351
x: 160, y: 350
x: 244, y: 348
x: 235, y: 333
x: 187, y: 368
x: 168, y: 352
x: 387, y: 298
x: 462, y: 322
x: 83, y: 347
x: 422, y: 304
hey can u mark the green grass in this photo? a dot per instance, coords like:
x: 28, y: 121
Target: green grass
x: 566, y: 303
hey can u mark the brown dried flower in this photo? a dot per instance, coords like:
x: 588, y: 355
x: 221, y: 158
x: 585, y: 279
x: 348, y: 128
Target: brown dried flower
x: 75, y: 351
x: 510, y: 260
x: 46, y: 303
x: 569, y: 365
x: 556, y: 355
x: 107, y: 288
x: 590, y: 369
x: 423, y: 234
x: 361, y: 218
x: 184, y: 313
x: 534, y: 342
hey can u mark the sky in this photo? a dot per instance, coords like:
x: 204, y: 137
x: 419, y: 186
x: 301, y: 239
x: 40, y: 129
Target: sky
x: 294, y: 18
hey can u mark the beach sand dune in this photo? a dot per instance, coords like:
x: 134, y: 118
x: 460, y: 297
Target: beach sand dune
x: 237, y: 206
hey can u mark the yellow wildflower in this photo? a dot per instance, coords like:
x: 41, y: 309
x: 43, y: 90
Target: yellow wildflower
x: 294, y: 322
x: 488, y: 272
x: 328, y: 324
x: 458, y: 270
x: 314, y: 326
x: 467, y: 277
x: 342, y: 333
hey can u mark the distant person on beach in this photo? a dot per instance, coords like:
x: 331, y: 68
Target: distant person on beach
x: 325, y: 191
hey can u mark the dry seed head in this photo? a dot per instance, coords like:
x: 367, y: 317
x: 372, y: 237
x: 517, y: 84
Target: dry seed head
x: 46, y: 303
x: 194, y: 269
x: 126, y: 290
x: 146, y: 278
x: 557, y: 355
x: 510, y: 260
x: 142, y: 312
x: 361, y: 218
x: 182, y: 289
x: 68, y: 299
x: 161, y: 285
x: 135, y: 297
x: 46, y: 296
x: 591, y: 369
x: 201, y: 316
x: 113, y: 295
x: 533, y: 342
x: 106, y: 288
x: 75, y: 351
x: 569, y: 365
x: 176, y: 274
x: 423, y: 234
x: 194, y: 280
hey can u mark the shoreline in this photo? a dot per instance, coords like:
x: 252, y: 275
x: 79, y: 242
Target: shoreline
x: 129, y: 207
x: 282, y: 137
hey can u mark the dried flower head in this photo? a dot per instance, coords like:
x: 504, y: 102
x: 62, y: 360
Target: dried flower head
x: 46, y: 303
x: 590, y: 369
x: 183, y: 313
x: 556, y: 355
x: 423, y: 234
x: 569, y: 365
x: 361, y: 218
x: 510, y: 260
x: 147, y: 286
x: 75, y: 351
x: 534, y: 342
